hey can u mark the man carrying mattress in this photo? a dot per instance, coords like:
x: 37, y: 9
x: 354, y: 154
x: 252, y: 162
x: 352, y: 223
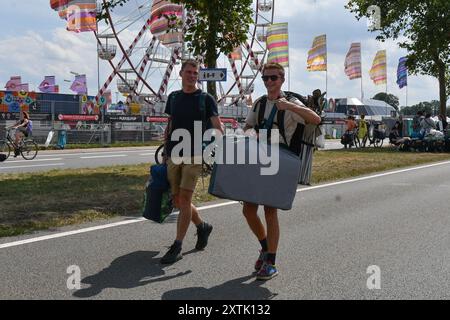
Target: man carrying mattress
x: 292, y: 112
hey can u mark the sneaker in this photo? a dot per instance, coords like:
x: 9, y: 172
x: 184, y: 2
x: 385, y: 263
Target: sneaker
x: 260, y: 261
x: 203, y: 232
x: 267, y: 271
x: 172, y: 256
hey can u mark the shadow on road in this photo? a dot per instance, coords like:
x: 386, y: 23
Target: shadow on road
x: 232, y: 290
x: 130, y: 271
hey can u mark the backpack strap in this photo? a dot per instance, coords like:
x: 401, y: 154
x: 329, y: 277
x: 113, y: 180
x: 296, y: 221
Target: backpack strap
x: 280, y: 123
x: 202, y: 106
x: 261, y: 110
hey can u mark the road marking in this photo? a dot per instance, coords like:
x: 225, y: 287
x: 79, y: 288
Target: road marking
x: 33, y: 166
x: 373, y: 176
x: 34, y: 160
x: 107, y: 226
x: 109, y: 156
x: 93, y: 153
x: 147, y: 154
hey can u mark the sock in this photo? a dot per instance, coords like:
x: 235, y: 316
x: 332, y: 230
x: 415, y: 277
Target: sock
x: 271, y: 257
x: 178, y: 243
x: 263, y: 243
x: 201, y: 225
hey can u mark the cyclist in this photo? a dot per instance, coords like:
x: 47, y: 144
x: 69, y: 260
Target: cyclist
x: 21, y: 127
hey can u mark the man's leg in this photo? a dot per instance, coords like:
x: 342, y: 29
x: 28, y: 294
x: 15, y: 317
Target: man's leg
x: 273, y: 229
x: 185, y: 206
x: 196, y: 219
x: 250, y: 212
x: 268, y: 269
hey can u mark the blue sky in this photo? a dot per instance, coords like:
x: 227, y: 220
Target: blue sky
x: 35, y: 43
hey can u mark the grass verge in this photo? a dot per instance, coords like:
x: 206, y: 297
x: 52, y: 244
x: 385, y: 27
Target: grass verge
x: 39, y: 201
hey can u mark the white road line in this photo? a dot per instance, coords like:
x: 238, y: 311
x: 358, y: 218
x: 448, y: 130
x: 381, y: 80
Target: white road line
x: 107, y: 226
x: 34, y: 160
x: 92, y: 153
x: 109, y: 156
x: 147, y: 154
x: 373, y: 176
x: 33, y: 166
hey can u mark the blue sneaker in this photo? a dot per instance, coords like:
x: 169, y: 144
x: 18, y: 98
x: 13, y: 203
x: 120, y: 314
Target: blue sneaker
x: 267, y: 271
x: 260, y: 261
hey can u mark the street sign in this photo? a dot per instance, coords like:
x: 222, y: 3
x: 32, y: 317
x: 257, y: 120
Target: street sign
x: 212, y: 75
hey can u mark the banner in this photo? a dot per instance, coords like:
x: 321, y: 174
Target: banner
x: 402, y: 73
x: 79, y: 84
x: 278, y: 44
x: 317, y: 56
x: 378, y: 72
x: 49, y: 85
x: 353, y: 62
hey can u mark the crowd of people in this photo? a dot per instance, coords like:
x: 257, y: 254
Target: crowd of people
x: 424, y: 128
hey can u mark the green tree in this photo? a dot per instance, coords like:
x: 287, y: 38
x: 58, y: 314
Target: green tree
x: 422, y: 28
x: 220, y: 26
x: 388, y: 98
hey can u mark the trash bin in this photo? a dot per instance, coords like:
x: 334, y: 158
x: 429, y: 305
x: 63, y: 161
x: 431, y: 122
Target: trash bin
x: 62, y: 139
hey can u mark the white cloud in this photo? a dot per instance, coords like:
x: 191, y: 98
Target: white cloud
x: 54, y: 51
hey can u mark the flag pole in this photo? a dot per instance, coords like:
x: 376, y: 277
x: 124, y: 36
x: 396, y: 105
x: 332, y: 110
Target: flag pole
x: 386, y: 85
x: 326, y: 73
x: 360, y: 55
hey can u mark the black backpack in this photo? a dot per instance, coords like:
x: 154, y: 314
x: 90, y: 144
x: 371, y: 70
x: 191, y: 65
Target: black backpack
x: 297, y: 138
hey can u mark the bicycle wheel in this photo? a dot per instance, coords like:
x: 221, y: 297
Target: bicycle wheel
x: 378, y: 143
x: 29, y: 150
x: 159, y: 154
x: 5, y: 148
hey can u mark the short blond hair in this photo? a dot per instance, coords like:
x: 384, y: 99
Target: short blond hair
x: 274, y: 66
x: 190, y: 62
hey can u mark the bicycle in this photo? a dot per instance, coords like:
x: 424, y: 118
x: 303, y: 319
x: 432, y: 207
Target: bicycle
x: 27, y: 147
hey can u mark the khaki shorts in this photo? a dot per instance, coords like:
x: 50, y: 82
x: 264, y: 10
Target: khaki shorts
x: 183, y: 176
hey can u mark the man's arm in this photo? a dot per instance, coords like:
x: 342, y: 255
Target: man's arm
x: 306, y: 113
x: 217, y: 124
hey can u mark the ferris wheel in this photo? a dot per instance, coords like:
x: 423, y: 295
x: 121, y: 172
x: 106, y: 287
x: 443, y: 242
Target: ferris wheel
x: 145, y: 59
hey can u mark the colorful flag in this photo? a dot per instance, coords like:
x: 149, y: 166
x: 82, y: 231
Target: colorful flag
x: 49, y: 85
x: 378, y: 72
x: 163, y: 14
x: 79, y: 85
x: 353, y: 62
x: 402, y: 73
x: 14, y: 84
x: 278, y: 44
x: 317, y: 56
x: 81, y: 15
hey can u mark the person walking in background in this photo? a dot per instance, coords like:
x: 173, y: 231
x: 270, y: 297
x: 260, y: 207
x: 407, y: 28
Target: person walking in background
x: 362, y: 131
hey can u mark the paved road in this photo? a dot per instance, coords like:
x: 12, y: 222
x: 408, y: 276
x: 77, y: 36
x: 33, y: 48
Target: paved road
x: 399, y: 222
x: 91, y: 158
x: 87, y: 158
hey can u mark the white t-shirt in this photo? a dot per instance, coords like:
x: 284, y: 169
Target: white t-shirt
x: 291, y: 119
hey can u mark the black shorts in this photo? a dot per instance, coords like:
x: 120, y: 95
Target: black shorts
x: 23, y: 130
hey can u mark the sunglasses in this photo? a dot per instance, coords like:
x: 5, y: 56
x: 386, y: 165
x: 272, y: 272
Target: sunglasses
x: 273, y: 78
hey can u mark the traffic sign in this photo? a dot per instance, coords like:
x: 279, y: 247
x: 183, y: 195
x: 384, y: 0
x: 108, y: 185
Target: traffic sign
x: 212, y: 75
